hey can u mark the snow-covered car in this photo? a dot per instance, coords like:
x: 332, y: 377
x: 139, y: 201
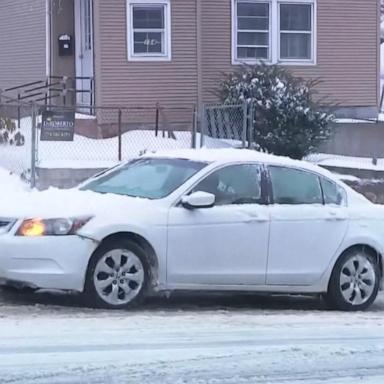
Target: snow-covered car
x: 221, y: 219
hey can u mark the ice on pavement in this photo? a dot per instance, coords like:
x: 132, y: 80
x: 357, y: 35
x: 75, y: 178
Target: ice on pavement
x: 221, y: 340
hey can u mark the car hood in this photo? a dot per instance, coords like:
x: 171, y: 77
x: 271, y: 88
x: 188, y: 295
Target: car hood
x: 55, y: 203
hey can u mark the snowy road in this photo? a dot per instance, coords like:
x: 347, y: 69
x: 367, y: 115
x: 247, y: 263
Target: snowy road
x: 217, y: 340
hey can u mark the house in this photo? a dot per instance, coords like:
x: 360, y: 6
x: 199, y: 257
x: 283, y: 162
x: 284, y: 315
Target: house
x: 173, y: 52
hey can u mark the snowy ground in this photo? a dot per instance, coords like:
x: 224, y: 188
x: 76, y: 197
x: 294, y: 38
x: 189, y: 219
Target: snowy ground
x: 329, y: 160
x: 85, y: 152
x: 200, y: 339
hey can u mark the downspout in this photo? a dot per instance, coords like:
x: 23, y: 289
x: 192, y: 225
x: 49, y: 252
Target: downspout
x: 199, y: 55
x: 380, y: 90
x: 48, y: 37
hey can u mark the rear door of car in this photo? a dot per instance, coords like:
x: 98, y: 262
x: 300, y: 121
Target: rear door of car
x: 308, y: 223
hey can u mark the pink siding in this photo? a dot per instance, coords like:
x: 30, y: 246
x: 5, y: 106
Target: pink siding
x: 347, y: 54
x: 121, y: 82
x: 22, y: 42
x: 347, y: 49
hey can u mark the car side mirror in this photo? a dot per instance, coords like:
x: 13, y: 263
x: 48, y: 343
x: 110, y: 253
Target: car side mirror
x: 198, y: 200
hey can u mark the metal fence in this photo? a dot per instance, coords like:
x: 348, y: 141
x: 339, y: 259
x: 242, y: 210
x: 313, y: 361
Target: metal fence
x: 231, y: 124
x: 112, y: 134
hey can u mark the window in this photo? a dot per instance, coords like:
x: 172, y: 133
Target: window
x: 149, y: 30
x: 295, y: 31
x: 237, y: 184
x: 252, y: 30
x: 146, y: 178
x: 274, y: 31
x: 333, y: 193
x: 292, y: 186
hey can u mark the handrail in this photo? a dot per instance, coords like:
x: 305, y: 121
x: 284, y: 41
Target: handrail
x: 42, y: 87
x: 62, y: 84
x: 23, y: 86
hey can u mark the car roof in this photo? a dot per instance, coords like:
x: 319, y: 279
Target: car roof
x: 232, y: 155
x: 223, y: 156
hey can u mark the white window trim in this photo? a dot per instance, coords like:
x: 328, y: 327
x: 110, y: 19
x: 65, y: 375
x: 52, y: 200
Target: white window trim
x: 167, y: 55
x: 274, y: 35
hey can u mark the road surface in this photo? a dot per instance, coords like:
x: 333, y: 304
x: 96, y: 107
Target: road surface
x: 215, y: 339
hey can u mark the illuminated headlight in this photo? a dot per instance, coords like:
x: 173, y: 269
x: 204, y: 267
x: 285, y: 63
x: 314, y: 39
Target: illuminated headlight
x: 51, y: 227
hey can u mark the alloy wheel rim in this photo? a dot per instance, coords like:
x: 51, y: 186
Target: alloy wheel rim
x: 118, y: 277
x: 357, y: 280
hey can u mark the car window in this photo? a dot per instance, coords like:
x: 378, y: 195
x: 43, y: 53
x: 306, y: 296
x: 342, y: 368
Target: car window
x: 151, y: 178
x: 236, y: 184
x: 293, y: 186
x: 333, y: 193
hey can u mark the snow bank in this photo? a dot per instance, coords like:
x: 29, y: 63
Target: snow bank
x: 329, y: 160
x: 10, y: 184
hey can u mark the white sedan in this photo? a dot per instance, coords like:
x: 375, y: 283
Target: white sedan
x: 198, y: 220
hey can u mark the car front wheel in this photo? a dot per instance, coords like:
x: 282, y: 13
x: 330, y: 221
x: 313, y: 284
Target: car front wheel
x: 117, y: 276
x: 355, y: 281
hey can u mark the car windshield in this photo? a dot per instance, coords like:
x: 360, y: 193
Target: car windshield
x: 150, y: 178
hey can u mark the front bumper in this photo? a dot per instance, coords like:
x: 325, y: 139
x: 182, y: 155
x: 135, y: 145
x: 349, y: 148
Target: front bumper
x: 51, y: 262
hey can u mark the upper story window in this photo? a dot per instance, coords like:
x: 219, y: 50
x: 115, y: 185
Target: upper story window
x: 275, y: 31
x: 149, y: 30
x: 253, y: 30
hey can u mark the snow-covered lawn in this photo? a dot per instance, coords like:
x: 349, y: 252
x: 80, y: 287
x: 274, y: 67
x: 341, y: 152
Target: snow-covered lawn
x: 215, y: 339
x: 84, y: 152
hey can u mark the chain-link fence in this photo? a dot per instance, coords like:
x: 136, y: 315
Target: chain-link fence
x: 103, y: 136
x: 16, y: 136
x: 115, y: 134
x: 226, y: 123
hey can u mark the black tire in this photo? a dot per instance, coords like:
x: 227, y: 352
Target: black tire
x: 335, y: 298
x: 91, y: 295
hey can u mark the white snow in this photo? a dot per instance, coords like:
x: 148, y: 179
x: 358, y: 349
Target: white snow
x: 354, y: 121
x: 229, y: 339
x: 73, y: 203
x: 346, y: 161
x: 347, y: 177
x: 10, y: 184
x: 90, y: 153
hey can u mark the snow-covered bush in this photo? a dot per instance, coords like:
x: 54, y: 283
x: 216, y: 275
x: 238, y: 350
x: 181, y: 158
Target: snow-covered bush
x: 285, y: 119
x: 9, y: 134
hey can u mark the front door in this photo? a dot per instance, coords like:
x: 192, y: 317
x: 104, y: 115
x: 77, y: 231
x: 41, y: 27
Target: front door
x: 308, y: 224
x: 84, y: 51
x: 228, y: 243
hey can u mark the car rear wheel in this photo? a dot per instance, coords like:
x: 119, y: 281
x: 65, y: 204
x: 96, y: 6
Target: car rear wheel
x: 355, y: 281
x: 117, y: 276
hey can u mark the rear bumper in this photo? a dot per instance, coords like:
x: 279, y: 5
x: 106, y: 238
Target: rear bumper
x: 45, y: 262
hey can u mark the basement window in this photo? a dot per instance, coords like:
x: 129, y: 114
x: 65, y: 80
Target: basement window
x: 148, y: 30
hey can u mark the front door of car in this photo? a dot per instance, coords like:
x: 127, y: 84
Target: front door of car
x: 308, y: 223
x: 226, y: 244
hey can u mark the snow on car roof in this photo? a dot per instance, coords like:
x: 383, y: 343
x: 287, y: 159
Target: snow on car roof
x: 229, y: 155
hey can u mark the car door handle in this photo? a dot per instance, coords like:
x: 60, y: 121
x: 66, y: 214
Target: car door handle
x: 335, y: 216
x: 255, y: 219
